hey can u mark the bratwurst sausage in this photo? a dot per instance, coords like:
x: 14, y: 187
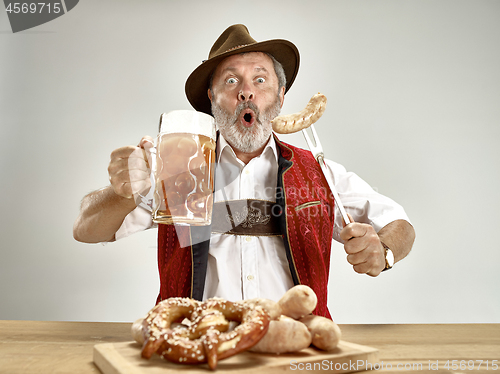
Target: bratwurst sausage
x: 291, y: 123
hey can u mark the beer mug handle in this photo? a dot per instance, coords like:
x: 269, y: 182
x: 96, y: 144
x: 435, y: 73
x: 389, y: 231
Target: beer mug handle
x: 146, y: 202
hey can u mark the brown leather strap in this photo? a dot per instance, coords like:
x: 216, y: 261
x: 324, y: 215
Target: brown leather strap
x: 246, y: 217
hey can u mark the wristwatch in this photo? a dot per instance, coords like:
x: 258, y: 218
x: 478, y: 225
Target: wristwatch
x: 389, y: 258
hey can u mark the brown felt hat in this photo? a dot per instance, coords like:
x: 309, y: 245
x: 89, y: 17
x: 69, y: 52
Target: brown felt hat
x: 236, y: 39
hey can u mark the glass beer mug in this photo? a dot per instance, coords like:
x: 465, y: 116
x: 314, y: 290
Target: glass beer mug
x: 183, y: 159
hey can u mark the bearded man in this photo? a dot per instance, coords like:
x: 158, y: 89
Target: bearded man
x: 243, y: 85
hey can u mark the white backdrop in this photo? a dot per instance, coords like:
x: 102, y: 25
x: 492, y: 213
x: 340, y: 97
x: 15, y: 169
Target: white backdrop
x: 414, y: 93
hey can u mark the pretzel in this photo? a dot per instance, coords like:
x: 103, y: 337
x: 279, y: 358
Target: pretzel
x: 206, y: 339
x: 291, y: 123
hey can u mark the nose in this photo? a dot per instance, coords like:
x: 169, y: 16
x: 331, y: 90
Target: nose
x: 245, y: 94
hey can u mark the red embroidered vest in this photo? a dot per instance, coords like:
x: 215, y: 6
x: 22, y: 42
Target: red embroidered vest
x: 307, y: 229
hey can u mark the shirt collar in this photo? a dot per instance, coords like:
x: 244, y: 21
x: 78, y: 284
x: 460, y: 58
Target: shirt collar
x: 224, y: 146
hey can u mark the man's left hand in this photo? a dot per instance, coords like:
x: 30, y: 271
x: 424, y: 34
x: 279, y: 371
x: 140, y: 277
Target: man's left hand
x: 363, y: 247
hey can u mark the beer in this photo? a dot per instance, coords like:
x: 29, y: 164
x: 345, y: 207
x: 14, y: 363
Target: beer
x: 184, y: 181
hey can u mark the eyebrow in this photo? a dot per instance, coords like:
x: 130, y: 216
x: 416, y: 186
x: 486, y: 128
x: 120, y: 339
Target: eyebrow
x: 261, y: 69
x: 257, y: 69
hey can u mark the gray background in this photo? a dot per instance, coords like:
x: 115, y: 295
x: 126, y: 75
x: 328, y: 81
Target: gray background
x: 414, y: 93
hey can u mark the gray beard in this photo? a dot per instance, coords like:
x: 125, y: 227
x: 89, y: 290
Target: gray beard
x: 246, y: 140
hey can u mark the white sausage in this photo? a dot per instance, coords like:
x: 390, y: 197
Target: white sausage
x: 298, y: 301
x: 284, y: 335
x: 138, y: 331
x: 291, y: 123
x: 325, y: 333
x: 271, y: 307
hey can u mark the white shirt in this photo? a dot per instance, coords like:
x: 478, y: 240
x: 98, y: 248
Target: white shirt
x: 246, y: 267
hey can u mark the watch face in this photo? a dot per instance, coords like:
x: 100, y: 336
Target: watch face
x: 390, y: 257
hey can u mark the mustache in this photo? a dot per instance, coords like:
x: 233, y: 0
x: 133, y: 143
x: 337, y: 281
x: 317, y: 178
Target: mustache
x: 247, y: 105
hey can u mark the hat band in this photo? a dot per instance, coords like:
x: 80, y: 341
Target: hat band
x: 238, y: 46
x: 229, y: 50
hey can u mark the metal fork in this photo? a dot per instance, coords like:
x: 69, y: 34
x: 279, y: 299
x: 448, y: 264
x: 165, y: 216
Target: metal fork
x: 317, y: 152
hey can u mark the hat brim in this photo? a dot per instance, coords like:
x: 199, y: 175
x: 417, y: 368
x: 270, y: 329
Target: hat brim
x: 198, y: 82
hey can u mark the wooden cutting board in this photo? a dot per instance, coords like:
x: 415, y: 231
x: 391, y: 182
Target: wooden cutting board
x: 125, y: 358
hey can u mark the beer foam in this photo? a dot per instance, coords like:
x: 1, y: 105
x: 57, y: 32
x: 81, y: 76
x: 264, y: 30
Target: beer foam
x: 188, y: 121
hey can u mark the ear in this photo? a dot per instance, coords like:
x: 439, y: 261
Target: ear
x: 209, y: 94
x: 282, y: 96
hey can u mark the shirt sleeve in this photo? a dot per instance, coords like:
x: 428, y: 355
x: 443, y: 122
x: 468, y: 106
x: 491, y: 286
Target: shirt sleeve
x: 361, y: 201
x: 137, y: 220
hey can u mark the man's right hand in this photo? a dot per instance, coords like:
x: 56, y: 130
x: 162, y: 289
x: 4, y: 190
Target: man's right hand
x: 129, y: 171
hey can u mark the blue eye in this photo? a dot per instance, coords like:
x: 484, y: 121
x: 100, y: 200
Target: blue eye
x: 231, y: 80
x: 261, y: 80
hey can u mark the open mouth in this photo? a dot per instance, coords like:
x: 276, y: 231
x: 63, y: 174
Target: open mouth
x: 247, y: 118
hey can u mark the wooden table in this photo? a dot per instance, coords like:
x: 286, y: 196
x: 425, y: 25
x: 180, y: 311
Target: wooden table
x: 66, y: 347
